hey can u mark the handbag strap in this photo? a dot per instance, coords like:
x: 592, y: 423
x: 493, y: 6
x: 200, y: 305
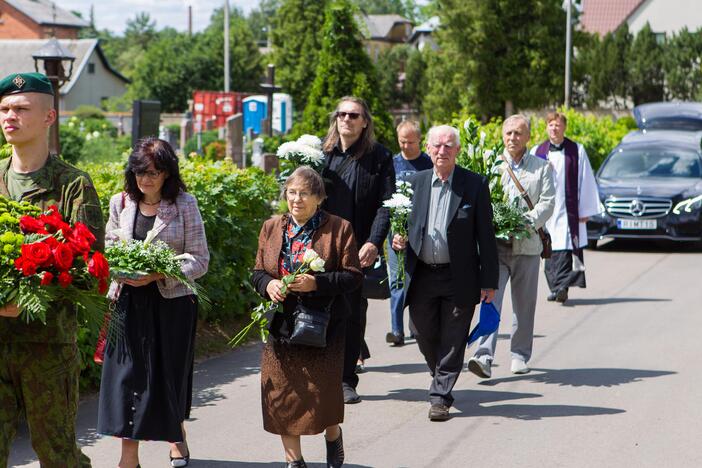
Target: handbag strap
x: 523, y: 193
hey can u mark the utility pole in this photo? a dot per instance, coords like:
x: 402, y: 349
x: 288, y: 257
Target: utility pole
x: 569, y: 47
x: 190, y: 21
x: 226, y: 46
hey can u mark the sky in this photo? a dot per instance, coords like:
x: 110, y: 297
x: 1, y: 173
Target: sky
x: 113, y: 14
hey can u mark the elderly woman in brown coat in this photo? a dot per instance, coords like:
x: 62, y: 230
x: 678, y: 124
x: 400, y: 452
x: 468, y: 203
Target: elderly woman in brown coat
x: 301, y: 386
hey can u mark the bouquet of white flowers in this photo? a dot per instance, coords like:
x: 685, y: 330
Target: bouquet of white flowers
x: 311, y: 262
x: 306, y: 150
x: 400, y: 206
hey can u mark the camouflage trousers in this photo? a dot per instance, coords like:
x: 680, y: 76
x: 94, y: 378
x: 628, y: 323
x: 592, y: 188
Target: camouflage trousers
x: 41, y: 381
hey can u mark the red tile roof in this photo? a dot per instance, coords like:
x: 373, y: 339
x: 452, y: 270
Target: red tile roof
x: 603, y: 16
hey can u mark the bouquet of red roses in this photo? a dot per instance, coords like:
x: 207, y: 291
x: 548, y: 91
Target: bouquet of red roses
x: 44, y: 260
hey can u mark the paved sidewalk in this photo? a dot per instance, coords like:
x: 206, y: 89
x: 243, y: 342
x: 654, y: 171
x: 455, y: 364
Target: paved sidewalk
x: 614, y: 381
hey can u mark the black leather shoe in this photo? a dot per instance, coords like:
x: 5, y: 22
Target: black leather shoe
x: 179, y: 462
x: 438, y: 412
x: 297, y: 464
x: 551, y: 297
x: 350, y: 395
x: 396, y: 339
x: 335, y: 452
x: 562, y: 296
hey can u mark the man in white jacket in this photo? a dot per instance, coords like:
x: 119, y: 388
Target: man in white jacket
x: 576, y: 200
x: 519, y: 258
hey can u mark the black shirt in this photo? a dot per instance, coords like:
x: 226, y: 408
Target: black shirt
x: 342, y: 175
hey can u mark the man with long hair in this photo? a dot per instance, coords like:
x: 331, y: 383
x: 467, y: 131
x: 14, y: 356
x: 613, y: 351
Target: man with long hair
x: 360, y: 176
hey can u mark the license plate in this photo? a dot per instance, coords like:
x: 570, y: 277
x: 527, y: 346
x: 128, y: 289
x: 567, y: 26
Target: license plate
x: 637, y: 224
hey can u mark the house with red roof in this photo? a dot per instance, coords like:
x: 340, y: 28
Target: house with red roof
x: 666, y: 17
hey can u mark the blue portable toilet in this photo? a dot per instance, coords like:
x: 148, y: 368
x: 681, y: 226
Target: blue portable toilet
x: 254, y: 112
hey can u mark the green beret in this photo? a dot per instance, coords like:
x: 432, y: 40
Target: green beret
x: 25, y: 83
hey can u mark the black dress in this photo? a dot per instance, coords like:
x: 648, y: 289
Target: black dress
x: 146, y: 386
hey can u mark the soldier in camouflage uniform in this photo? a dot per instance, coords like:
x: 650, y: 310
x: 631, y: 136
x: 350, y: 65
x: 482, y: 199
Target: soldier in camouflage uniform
x: 40, y: 364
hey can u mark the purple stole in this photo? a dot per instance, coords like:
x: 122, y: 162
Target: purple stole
x: 571, y: 186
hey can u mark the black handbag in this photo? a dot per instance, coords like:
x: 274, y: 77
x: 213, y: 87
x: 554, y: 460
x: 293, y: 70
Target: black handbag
x: 310, y: 326
x: 375, y: 280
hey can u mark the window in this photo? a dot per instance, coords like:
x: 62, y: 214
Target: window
x: 91, y: 68
x: 660, y: 38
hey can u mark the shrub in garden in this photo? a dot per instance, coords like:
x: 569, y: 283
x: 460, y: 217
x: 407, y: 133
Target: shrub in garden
x: 206, y: 138
x: 216, y: 150
x: 85, y: 111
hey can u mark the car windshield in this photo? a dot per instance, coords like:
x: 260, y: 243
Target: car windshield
x: 627, y: 163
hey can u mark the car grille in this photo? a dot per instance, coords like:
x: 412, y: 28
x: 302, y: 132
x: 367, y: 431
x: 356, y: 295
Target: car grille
x: 638, y: 207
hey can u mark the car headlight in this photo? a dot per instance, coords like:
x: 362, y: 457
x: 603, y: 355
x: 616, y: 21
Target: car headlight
x: 688, y: 205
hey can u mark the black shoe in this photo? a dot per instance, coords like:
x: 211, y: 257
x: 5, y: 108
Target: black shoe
x: 551, y: 297
x: 396, y: 339
x: 438, y: 412
x: 562, y: 296
x: 179, y: 462
x: 335, y: 452
x: 297, y: 464
x: 350, y: 395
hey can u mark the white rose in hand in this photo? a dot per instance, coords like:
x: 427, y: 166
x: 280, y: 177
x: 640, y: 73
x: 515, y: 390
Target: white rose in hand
x: 317, y: 265
x: 310, y: 256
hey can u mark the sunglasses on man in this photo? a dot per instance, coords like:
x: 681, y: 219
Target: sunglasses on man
x: 351, y: 115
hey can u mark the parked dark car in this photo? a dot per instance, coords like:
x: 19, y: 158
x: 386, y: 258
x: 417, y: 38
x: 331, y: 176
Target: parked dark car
x: 651, y: 184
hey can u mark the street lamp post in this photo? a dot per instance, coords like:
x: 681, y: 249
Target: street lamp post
x: 53, y: 54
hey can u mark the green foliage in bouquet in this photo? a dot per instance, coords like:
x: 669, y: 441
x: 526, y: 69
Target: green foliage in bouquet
x: 481, y: 154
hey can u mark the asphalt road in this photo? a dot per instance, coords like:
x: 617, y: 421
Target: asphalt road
x: 615, y: 383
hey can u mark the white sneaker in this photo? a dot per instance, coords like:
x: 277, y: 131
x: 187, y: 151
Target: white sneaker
x: 519, y: 366
x: 481, y: 366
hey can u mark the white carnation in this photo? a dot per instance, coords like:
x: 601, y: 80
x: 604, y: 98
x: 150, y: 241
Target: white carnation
x: 398, y: 200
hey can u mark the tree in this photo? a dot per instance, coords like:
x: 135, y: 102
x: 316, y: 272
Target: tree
x: 405, y: 8
x: 141, y: 30
x: 646, y: 67
x: 683, y: 54
x: 260, y: 19
x: 501, y: 55
x: 246, y: 70
x: 401, y: 77
x: 344, y: 68
x: 609, y: 72
x: 297, y: 40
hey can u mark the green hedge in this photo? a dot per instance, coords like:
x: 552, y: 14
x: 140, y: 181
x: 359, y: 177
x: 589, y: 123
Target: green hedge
x: 234, y: 203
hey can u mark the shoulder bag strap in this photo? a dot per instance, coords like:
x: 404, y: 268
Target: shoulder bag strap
x: 523, y: 193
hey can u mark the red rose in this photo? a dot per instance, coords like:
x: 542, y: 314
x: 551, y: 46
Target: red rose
x: 51, y: 241
x: 83, y: 231
x: 64, y: 279
x: 53, y: 220
x: 63, y: 256
x: 31, y: 224
x: 37, y: 253
x: 102, y: 285
x: 47, y: 278
x: 98, y: 267
x: 27, y: 268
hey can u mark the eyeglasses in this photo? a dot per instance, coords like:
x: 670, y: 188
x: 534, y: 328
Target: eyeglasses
x: 148, y: 174
x: 351, y: 115
x: 292, y: 194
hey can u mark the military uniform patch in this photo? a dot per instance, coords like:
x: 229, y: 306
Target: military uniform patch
x: 19, y: 81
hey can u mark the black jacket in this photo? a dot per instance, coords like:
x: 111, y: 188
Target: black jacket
x: 471, y: 237
x: 375, y: 183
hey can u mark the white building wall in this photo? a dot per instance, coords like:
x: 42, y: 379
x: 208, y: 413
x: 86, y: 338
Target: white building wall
x: 667, y: 16
x: 91, y: 88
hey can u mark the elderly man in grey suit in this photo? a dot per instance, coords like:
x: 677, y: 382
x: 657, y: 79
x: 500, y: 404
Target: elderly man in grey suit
x: 519, y: 258
x: 451, y: 262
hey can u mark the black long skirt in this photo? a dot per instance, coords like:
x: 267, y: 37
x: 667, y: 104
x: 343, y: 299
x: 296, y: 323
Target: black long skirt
x: 559, y: 271
x: 147, y: 375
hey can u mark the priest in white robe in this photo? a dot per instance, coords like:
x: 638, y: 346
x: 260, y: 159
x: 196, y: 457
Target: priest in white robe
x: 577, y: 199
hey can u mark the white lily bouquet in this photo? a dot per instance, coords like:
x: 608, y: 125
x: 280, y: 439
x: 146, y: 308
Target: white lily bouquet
x: 306, y: 150
x: 400, y: 206
x: 311, y: 262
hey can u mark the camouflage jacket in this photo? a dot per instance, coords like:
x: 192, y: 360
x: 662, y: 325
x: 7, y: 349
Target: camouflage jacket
x: 72, y: 191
